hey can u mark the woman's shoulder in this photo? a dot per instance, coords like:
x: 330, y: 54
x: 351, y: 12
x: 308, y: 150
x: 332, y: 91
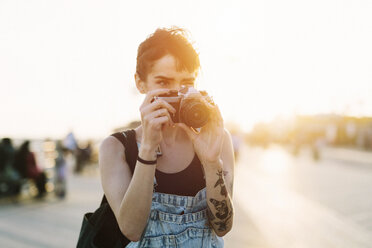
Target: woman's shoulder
x: 111, y: 145
x: 111, y: 153
x: 119, y: 147
x: 117, y: 142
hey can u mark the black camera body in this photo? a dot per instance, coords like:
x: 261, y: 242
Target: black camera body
x: 191, y: 110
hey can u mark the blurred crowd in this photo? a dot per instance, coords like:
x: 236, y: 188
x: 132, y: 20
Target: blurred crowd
x: 46, y: 169
x: 43, y: 169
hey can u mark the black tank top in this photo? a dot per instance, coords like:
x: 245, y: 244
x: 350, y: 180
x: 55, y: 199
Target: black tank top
x: 187, y: 182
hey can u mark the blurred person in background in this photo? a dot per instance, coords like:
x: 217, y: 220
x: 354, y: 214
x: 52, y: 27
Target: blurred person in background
x: 83, y: 157
x: 70, y: 142
x: 9, y: 177
x: 25, y: 164
x: 184, y: 195
x: 61, y: 171
x: 7, y: 153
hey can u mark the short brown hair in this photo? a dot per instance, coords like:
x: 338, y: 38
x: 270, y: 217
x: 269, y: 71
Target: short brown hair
x: 173, y: 41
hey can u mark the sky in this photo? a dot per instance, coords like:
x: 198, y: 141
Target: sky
x: 69, y: 65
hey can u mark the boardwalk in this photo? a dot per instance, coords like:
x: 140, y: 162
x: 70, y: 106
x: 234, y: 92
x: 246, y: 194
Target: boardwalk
x: 280, y: 201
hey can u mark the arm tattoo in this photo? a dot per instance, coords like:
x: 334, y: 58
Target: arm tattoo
x: 210, y: 214
x: 221, y: 182
x: 224, y: 213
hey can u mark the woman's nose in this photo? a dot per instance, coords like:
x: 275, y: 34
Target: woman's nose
x: 176, y: 86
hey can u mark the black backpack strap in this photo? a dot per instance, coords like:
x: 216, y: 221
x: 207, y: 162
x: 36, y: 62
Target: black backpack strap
x: 104, y: 200
x: 131, y: 148
x: 128, y: 139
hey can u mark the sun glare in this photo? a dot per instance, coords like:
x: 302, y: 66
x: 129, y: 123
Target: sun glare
x: 256, y: 61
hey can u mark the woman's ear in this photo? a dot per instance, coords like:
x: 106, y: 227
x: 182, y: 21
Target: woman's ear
x: 141, y: 85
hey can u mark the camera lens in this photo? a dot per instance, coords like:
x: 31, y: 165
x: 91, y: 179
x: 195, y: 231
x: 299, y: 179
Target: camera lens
x: 194, y: 113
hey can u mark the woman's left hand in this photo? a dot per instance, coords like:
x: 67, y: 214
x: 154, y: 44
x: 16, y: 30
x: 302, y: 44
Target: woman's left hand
x: 208, y: 142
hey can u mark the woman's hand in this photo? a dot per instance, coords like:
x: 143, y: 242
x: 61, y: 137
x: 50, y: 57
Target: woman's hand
x: 208, y: 142
x: 154, y: 114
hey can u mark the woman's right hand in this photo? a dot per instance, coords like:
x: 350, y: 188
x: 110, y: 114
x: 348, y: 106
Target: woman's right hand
x: 154, y: 114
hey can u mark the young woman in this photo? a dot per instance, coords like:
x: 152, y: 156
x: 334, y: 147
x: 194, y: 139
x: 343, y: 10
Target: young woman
x: 183, y: 197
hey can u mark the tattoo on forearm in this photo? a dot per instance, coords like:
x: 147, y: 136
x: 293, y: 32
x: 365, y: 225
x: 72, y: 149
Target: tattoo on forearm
x: 210, y: 214
x: 221, y: 207
x: 224, y: 213
x: 221, y: 182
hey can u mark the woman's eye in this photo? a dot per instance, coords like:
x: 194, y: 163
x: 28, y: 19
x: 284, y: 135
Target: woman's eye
x: 191, y: 84
x: 163, y: 83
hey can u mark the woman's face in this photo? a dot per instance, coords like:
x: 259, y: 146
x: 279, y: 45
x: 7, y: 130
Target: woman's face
x: 164, y: 75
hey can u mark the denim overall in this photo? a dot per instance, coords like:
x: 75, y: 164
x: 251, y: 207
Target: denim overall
x: 178, y: 221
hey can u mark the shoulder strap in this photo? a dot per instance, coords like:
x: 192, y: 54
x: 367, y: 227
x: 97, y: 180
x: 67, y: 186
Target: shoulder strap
x: 128, y: 139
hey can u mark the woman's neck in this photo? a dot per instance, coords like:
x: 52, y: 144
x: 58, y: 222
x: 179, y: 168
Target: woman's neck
x: 171, y: 135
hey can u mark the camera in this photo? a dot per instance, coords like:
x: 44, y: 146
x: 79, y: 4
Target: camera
x: 191, y: 110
